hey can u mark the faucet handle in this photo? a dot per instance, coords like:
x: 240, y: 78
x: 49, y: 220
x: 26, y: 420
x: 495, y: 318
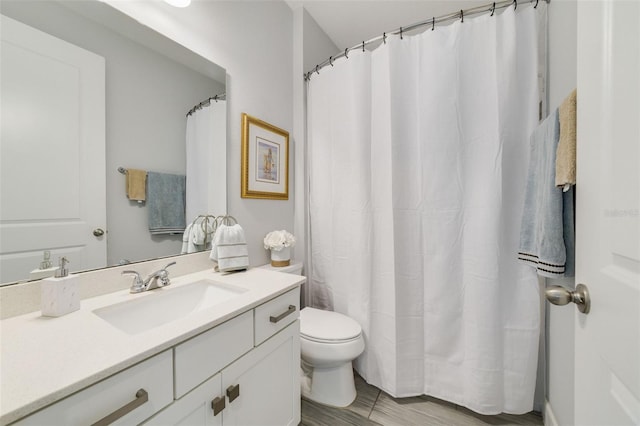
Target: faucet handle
x: 163, y: 275
x: 138, y: 284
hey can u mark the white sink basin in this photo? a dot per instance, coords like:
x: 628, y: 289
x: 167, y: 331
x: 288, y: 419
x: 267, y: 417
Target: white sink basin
x: 165, y: 305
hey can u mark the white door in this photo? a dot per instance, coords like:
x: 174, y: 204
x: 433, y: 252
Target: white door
x: 607, y: 340
x: 52, y: 171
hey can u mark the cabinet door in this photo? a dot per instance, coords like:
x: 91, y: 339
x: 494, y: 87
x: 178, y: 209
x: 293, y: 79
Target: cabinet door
x: 263, y: 387
x: 195, y: 408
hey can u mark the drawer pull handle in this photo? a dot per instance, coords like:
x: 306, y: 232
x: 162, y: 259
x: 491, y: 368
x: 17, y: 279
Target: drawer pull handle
x: 289, y: 311
x: 233, y: 392
x: 218, y: 405
x: 141, y: 397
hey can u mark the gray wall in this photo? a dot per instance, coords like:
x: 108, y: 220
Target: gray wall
x: 310, y: 46
x: 147, y: 97
x: 560, y: 319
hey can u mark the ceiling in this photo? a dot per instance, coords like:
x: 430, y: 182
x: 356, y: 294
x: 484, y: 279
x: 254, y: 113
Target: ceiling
x: 349, y: 22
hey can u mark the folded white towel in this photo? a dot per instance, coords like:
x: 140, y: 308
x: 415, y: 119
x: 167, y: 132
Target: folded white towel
x: 187, y: 241
x: 232, y: 250
x: 229, y: 248
x: 202, y: 231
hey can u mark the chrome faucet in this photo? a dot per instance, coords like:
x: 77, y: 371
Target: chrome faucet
x: 154, y: 280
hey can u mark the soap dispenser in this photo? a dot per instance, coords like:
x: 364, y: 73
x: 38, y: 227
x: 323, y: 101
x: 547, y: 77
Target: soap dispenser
x: 60, y: 294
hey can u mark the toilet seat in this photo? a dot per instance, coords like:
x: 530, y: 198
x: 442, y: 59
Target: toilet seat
x: 328, y: 327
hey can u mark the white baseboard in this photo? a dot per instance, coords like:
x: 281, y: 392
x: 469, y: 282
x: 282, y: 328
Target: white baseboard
x: 548, y: 417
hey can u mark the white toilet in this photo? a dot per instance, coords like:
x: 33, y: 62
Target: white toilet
x: 329, y: 341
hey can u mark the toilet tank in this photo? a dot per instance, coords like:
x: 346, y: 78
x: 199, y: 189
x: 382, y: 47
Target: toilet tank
x: 294, y: 268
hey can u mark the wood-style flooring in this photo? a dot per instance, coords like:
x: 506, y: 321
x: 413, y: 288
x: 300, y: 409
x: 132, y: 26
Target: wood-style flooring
x: 374, y: 407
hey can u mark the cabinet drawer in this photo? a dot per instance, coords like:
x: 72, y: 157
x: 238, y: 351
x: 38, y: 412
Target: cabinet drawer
x: 92, y: 404
x: 276, y: 314
x: 203, y: 356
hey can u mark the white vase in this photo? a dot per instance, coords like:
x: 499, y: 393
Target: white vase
x: 281, y: 257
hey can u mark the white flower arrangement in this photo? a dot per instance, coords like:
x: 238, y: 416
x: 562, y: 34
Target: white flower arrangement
x: 277, y: 240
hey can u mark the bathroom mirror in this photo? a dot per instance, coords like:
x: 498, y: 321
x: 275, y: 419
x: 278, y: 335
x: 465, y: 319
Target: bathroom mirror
x: 150, y: 83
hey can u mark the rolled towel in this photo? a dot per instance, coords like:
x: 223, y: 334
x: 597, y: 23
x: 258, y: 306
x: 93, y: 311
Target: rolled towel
x: 566, y: 151
x: 136, y: 182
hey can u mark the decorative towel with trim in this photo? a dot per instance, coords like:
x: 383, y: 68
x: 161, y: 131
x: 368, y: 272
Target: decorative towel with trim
x: 198, y: 235
x: 547, y: 230
x: 229, y: 248
x: 166, y: 203
x: 136, y: 183
x: 566, y: 151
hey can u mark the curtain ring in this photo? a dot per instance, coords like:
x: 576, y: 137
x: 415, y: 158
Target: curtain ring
x: 461, y: 15
x: 536, y: 5
x: 493, y: 8
x: 384, y: 38
x: 345, y: 53
x: 331, y: 60
x: 363, y: 46
x: 515, y: 4
x: 433, y: 23
x: 401, y: 33
x: 317, y: 72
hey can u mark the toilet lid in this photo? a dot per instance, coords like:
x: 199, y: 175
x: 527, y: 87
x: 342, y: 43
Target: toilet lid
x: 319, y: 325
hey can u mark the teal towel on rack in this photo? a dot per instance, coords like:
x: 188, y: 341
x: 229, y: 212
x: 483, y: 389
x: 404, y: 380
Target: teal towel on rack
x: 166, y: 203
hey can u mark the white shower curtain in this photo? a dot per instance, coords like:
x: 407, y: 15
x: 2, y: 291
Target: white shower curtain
x: 206, y: 161
x: 417, y: 159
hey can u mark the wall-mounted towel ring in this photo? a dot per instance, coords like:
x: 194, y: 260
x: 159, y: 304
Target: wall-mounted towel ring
x: 226, y: 220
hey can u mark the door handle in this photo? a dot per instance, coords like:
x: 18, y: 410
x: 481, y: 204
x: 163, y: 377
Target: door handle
x: 98, y: 232
x: 561, y: 296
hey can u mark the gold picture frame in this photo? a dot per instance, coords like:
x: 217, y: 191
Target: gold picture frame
x: 265, y: 160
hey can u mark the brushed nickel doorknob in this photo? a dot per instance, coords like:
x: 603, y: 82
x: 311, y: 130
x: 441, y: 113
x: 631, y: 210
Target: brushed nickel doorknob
x: 561, y: 296
x: 98, y: 232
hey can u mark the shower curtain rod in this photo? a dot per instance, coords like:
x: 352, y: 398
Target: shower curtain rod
x: 478, y: 10
x: 207, y: 102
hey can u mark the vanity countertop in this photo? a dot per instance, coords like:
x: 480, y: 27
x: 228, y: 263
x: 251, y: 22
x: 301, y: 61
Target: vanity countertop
x: 43, y: 360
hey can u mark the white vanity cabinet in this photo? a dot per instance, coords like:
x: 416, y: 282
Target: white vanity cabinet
x: 261, y: 388
x: 244, y: 371
x: 225, y: 376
